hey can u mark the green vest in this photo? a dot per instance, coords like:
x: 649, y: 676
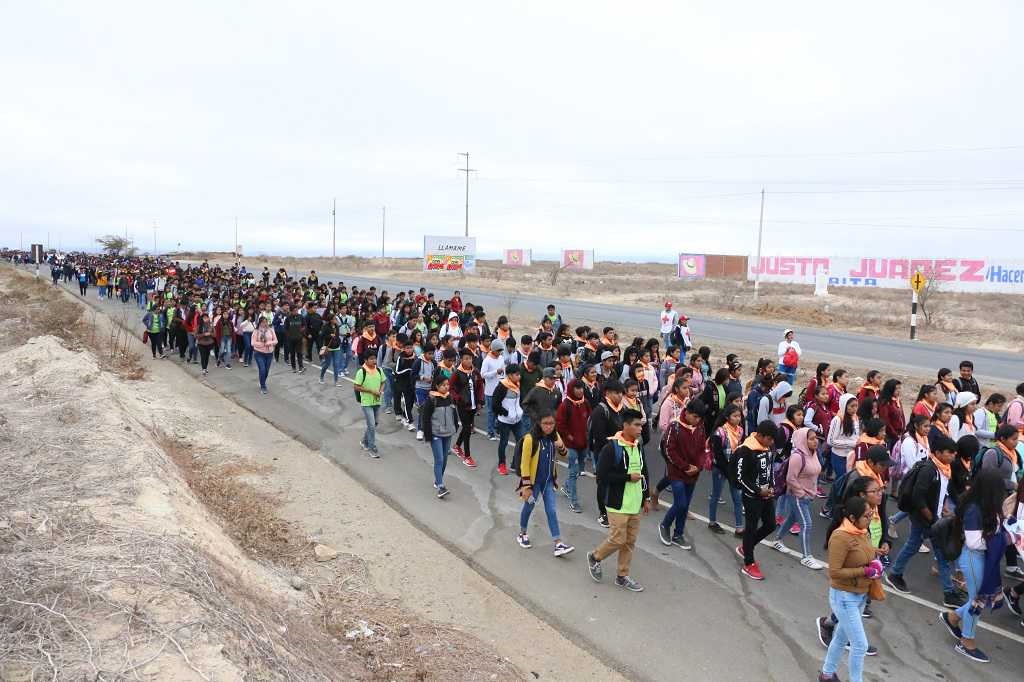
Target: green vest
x: 154, y: 322
x: 372, y: 381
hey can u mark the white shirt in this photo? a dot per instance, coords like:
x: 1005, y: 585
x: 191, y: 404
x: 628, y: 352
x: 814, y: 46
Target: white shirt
x: 786, y: 345
x: 492, y: 370
x: 668, y: 320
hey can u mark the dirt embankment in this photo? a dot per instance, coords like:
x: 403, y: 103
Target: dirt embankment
x: 149, y: 532
x: 967, y: 320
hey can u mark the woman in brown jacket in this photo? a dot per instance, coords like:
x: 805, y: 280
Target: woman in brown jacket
x: 851, y: 568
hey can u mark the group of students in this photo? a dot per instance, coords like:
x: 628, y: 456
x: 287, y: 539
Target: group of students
x: 577, y: 394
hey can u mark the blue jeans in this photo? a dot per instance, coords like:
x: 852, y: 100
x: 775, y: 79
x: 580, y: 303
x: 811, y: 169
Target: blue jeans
x: 718, y: 482
x: 917, y: 535
x: 550, y: 508
x: 799, y: 512
x: 527, y: 423
x: 192, y: 346
x: 263, y: 361
x: 838, y: 464
x: 790, y: 373
x: 897, y: 517
x: 439, y: 445
x: 421, y: 397
x: 577, y: 462
x: 503, y: 431
x: 247, y: 340
x: 370, y: 435
x: 389, y: 387
x: 847, y: 606
x: 682, y: 493
x: 345, y: 356
x: 490, y: 416
x: 225, y: 350
x: 972, y: 563
x: 331, y: 358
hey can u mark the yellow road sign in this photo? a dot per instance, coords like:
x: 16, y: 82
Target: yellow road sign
x: 917, y: 281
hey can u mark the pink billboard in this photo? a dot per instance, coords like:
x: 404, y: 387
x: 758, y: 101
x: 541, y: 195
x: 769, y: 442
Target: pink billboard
x: 691, y: 266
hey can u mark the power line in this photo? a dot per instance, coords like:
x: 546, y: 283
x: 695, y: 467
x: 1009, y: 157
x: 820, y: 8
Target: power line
x: 811, y: 155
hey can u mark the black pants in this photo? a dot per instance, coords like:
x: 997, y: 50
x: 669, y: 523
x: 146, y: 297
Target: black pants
x: 466, y: 417
x: 156, y: 342
x: 759, y: 523
x: 82, y: 288
x: 204, y: 355
x: 405, y: 393
x: 181, y: 341
x: 293, y: 351
x: 602, y: 493
x: 312, y: 346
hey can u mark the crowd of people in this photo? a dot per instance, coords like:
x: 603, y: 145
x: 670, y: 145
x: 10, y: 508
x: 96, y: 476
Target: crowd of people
x: 944, y: 468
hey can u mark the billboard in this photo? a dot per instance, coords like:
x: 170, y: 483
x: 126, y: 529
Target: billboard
x: 517, y: 258
x: 451, y: 254
x: 993, y: 275
x: 691, y: 266
x: 577, y: 259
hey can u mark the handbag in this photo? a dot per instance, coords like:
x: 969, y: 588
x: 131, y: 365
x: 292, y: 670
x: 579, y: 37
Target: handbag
x: 875, y: 591
x: 145, y: 336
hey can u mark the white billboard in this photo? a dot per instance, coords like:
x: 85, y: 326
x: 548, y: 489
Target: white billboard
x: 449, y: 253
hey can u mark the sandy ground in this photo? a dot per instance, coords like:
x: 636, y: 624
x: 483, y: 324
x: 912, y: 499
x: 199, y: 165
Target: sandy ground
x: 967, y: 320
x: 132, y: 508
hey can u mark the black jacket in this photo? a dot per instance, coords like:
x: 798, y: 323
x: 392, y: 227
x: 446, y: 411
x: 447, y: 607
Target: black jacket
x: 925, y: 494
x: 613, y: 474
x: 604, y: 423
x: 753, y: 470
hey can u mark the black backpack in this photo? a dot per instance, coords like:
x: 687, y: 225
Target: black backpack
x: 835, y: 495
x: 905, y: 494
x: 948, y: 537
x: 517, y: 453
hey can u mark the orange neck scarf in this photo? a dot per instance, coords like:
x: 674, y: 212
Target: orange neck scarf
x: 1010, y: 454
x: 944, y: 469
x: 864, y: 470
x: 848, y: 527
x: 734, y: 434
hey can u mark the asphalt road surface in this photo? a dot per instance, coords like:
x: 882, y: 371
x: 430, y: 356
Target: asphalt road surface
x: 699, y: 617
x: 994, y: 366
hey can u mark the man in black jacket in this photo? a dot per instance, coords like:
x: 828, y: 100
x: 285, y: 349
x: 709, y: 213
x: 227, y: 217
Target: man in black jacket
x: 754, y: 476
x: 605, y: 421
x: 929, y: 500
x: 966, y: 380
x: 621, y: 465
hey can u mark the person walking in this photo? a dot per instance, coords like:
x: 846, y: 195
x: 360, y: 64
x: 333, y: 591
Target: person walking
x: 605, y: 422
x: 440, y: 424
x: 622, y: 466
x: 980, y: 516
x: 801, y: 487
x: 493, y: 371
x: 155, y: 322
x: 264, y: 342
x: 468, y: 393
x: 509, y: 413
x: 369, y: 384
x: 571, y: 423
x: 204, y: 341
x: 667, y: 321
x: 852, y: 567
x: 754, y: 474
x: 726, y: 436
x: 686, y: 453
x: 539, y: 481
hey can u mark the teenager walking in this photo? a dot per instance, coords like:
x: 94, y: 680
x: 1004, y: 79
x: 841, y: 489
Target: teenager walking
x: 539, y: 480
x: 754, y: 474
x: 440, y: 424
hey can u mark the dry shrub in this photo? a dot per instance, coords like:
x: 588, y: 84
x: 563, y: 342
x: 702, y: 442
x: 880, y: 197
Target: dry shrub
x: 246, y: 514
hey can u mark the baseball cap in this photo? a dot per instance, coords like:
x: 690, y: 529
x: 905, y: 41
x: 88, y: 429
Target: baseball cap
x: 548, y: 373
x: 668, y: 304
x: 878, y: 455
x: 786, y: 332
x: 607, y: 354
x: 497, y: 346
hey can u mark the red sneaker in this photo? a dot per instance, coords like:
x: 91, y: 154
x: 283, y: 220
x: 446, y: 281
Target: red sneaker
x: 739, y: 551
x: 794, y: 529
x: 753, y: 571
x: 458, y: 452
x: 470, y: 462
x: 503, y: 470
x: 779, y: 520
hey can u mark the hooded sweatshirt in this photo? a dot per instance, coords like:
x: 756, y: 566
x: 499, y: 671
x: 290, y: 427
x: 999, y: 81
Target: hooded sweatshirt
x: 571, y: 420
x: 773, y: 405
x: 753, y: 467
x: 842, y: 444
x: 804, y: 467
x: 506, y: 402
x: 685, y: 446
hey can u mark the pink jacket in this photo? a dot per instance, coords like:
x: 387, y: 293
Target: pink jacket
x: 802, y: 475
x: 264, y: 342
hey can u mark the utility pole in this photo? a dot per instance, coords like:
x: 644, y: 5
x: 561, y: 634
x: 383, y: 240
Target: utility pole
x: 467, y: 170
x: 760, y: 234
x: 383, y: 223
x: 334, y: 228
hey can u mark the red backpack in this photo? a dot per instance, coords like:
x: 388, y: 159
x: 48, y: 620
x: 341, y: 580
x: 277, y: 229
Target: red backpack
x: 790, y: 358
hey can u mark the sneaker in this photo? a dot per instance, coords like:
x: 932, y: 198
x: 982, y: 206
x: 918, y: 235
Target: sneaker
x: 954, y: 630
x: 892, y: 531
x: 824, y: 678
x: 823, y: 514
x: 409, y: 426
x: 205, y: 372
x: 302, y: 370
x: 602, y: 521
x: 896, y: 582
x: 441, y: 492
x: 778, y: 520
x: 470, y: 462
x: 872, y: 651
x: 594, y: 566
x: 1012, y: 602
x: 738, y: 533
x: 794, y: 529
x: 1015, y: 572
x: 953, y: 600
x: 778, y: 545
x: 387, y: 410
x: 457, y: 451
x: 575, y: 508
x: 627, y: 582
x: 825, y: 630
x: 715, y: 528
x: 739, y: 552
x: 561, y: 549
x: 374, y: 454
x: 419, y: 435
x: 867, y: 613
x: 924, y: 549
x: 811, y: 563
x: 263, y: 391
x: 492, y: 437
x: 524, y: 541
x: 503, y: 470
x: 321, y: 382
x: 682, y: 542
x: 820, y: 494
x: 399, y: 417
x: 973, y: 654
x: 752, y: 571
x: 363, y: 445
x: 664, y: 535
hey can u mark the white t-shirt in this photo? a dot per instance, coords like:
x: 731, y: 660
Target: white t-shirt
x: 668, y: 320
x: 786, y: 345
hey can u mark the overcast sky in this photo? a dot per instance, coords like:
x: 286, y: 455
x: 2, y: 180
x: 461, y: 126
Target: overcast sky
x: 637, y: 129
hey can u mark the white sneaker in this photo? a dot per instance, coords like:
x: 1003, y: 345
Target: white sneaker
x: 409, y: 426
x: 779, y: 546
x: 812, y: 563
x: 387, y: 410
x: 419, y: 435
x: 924, y: 549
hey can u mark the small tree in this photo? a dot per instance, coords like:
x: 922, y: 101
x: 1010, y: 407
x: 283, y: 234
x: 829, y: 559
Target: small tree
x: 927, y: 300
x: 112, y: 244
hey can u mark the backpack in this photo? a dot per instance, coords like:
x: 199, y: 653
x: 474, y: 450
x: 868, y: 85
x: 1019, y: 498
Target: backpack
x: 779, y: 474
x: 905, y: 494
x: 790, y: 358
x: 835, y: 495
x: 980, y: 455
x: 590, y: 419
x: 896, y: 469
x: 517, y: 453
x: 948, y: 537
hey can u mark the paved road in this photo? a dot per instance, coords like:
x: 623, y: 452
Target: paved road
x: 993, y: 366
x: 698, y: 614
